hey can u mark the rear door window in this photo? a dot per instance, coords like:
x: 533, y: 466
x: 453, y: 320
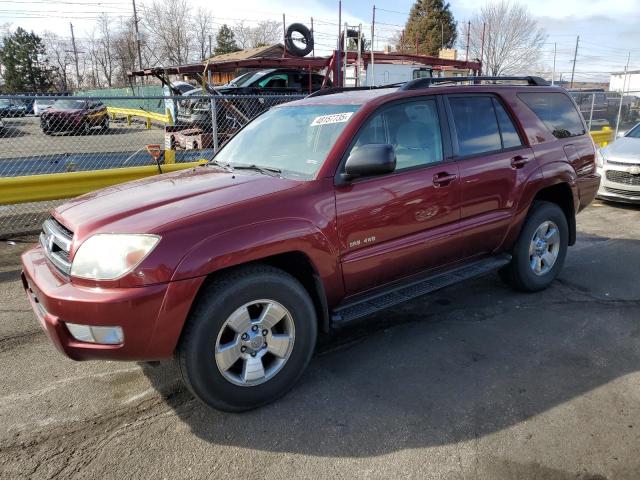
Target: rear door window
x: 476, y: 124
x: 557, y: 112
x: 508, y: 131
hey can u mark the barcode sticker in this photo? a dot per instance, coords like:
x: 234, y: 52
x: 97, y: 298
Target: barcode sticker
x: 334, y: 118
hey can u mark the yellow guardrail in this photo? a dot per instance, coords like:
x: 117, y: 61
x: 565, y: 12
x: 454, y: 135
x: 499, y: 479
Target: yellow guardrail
x: 602, y: 137
x: 130, y: 113
x: 56, y: 186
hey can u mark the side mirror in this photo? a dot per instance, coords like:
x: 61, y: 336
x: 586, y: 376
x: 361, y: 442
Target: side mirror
x: 372, y: 159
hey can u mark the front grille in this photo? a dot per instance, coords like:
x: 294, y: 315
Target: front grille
x: 625, y: 178
x: 56, y: 242
x: 622, y: 193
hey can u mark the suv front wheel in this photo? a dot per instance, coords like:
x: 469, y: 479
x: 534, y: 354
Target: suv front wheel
x: 540, y: 251
x: 248, y: 339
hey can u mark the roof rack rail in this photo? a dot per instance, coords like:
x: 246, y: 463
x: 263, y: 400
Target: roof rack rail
x: 332, y: 90
x: 428, y: 81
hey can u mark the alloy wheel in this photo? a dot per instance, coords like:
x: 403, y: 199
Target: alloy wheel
x: 544, y: 248
x: 254, y: 343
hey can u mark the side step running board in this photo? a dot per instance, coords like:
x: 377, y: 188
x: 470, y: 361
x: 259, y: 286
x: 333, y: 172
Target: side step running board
x: 407, y: 291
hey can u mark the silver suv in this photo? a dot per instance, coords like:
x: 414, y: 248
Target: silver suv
x: 619, y: 166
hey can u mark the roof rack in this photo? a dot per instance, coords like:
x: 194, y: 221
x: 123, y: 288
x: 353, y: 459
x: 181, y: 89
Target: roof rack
x: 428, y: 81
x: 332, y: 90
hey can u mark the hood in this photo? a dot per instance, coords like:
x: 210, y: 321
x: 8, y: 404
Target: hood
x: 144, y: 206
x: 623, y: 149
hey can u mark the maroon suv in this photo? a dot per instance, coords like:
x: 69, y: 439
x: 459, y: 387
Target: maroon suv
x: 318, y: 212
x: 74, y: 116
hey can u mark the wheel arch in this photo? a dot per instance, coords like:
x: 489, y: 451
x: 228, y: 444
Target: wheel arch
x: 562, y: 195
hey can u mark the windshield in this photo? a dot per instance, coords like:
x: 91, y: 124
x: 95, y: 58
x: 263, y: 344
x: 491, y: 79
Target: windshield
x: 69, y: 104
x: 634, y: 132
x: 246, y: 78
x: 294, y: 139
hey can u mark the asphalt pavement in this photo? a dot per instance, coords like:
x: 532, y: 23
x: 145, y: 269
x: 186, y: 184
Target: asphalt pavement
x: 473, y: 382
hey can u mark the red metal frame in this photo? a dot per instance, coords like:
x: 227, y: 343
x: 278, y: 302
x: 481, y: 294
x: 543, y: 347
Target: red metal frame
x: 316, y: 63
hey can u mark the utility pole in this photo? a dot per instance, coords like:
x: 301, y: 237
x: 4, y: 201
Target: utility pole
x: 75, y: 56
x: 624, y: 86
x: 135, y: 23
x: 553, y: 72
x: 373, y: 37
x: 484, y: 27
x: 466, y: 56
x: 575, y: 56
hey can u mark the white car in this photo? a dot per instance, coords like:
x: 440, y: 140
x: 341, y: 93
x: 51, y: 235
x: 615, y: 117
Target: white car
x: 40, y: 106
x: 619, y: 166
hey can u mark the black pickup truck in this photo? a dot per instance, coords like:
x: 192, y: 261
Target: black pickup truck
x: 257, y: 90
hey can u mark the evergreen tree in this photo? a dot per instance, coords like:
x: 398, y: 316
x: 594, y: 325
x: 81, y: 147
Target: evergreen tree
x: 431, y: 26
x: 225, y: 41
x: 22, y: 57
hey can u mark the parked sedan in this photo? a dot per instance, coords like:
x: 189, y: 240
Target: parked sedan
x: 11, y: 108
x: 619, y: 166
x: 74, y: 116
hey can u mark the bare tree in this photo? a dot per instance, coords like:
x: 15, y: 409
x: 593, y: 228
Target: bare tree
x: 512, y: 39
x: 203, y: 31
x: 264, y: 33
x: 103, y: 52
x: 124, y: 52
x: 168, y: 23
x: 243, y: 35
x: 59, y: 56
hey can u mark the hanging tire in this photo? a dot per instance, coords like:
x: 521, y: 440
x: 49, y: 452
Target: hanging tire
x: 248, y: 338
x: 539, y: 253
x: 307, y: 38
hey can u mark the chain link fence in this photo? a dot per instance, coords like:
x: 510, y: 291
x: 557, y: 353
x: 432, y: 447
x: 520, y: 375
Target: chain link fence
x: 612, y: 110
x: 45, y: 135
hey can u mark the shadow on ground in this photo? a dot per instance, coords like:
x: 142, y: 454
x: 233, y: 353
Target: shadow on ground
x: 454, y: 366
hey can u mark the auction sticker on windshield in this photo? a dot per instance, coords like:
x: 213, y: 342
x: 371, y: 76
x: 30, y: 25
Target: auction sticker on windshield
x: 333, y: 118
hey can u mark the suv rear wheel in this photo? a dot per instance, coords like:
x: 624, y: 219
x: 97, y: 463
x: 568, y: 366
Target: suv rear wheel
x: 248, y: 339
x: 540, y: 251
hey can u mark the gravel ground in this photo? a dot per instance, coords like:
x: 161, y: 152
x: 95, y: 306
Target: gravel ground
x: 475, y: 381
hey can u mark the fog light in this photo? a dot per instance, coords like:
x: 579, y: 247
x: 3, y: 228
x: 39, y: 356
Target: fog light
x: 92, y: 334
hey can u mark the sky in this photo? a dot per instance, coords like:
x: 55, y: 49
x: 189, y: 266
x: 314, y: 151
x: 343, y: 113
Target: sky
x: 609, y: 30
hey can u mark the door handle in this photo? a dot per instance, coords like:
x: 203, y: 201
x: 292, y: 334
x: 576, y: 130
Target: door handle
x: 519, y: 161
x: 443, y: 179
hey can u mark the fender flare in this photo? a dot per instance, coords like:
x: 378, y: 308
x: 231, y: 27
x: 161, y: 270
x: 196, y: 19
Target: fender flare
x: 250, y: 243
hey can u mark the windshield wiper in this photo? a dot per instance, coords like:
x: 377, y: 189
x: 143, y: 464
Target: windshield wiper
x: 226, y: 166
x: 274, y: 172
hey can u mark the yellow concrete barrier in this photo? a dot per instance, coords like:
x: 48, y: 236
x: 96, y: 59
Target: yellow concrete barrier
x: 602, y: 137
x: 130, y: 113
x: 56, y: 186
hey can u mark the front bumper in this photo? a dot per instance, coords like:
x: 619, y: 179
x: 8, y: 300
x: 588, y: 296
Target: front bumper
x: 613, y: 188
x: 151, y: 317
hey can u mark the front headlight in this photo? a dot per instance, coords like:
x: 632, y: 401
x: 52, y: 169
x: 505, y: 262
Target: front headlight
x: 599, y: 159
x: 108, y: 256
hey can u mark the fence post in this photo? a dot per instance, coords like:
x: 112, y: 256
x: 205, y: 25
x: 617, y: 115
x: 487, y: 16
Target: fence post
x: 214, y: 125
x: 593, y: 99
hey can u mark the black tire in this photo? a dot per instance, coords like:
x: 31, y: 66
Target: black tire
x: 306, y: 35
x: 216, y: 302
x: 519, y: 273
x: 105, y: 125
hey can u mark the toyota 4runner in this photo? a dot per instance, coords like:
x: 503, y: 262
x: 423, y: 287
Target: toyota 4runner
x: 318, y: 212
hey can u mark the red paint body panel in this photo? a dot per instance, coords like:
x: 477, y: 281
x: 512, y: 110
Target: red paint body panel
x: 357, y: 236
